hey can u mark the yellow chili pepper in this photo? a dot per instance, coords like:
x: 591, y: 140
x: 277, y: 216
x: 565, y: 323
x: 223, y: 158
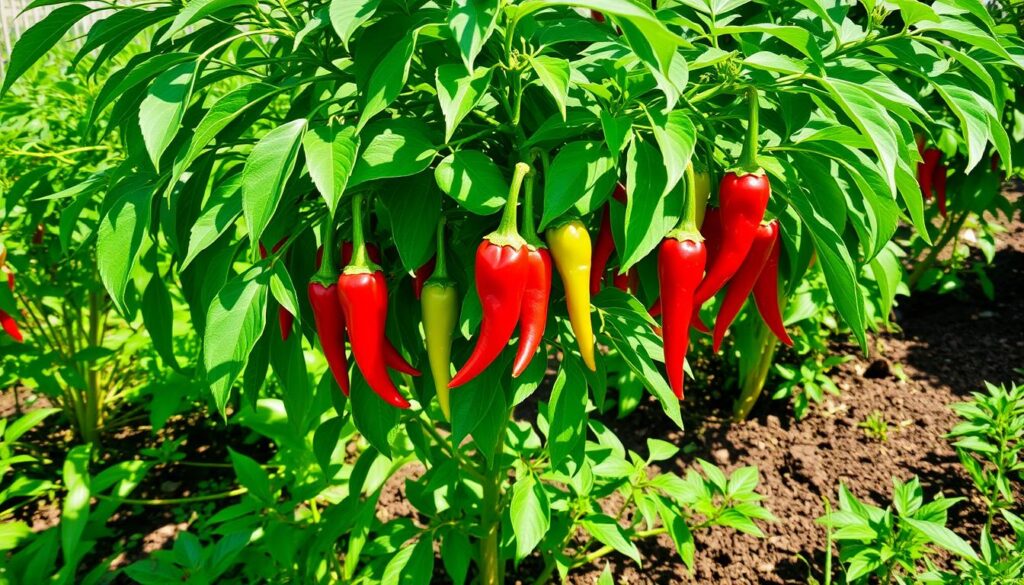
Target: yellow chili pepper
x: 440, y: 302
x: 570, y: 249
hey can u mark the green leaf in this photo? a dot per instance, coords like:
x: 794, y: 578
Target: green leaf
x: 607, y: 531
x: 459, y: 92
x: 39, y: 39
x: 567, y: 411
x: 120, y: 234
x: 197, y: 10
x: 349, y: 15
x: 252, y: 477
x: 618, y: 130
x: 872, y: 119
x: 582, y: 174
x: 887, y: 271
x: 471, y: 23
x: 265, y: 173
x: 376, y: 420
x: 410, y: 565
x: 234, y: 323
x: 472, y: 179
x: 392, y: 148
x: 75, y: 511
x: 414, y: 208
x: 29, y: 420
x: 222, y: 209
x: 554, y: 76
x: 224, y: 111
x: 530, y: 514
x: 388, y: 78
x: 456, y: 553
x: 943, y: 537
x: 161, y: 111
x: 794, y: 36
x: 676, y: 137
x: 158, y: 316
x: 651, y: 210
x: 330, y: 156
x: 679, y: 531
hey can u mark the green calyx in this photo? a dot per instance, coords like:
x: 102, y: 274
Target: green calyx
x: 748, y: 158
x: 361, y: 263
x: 440, y: 274
x: 507, y: 233
x: 529, y: 225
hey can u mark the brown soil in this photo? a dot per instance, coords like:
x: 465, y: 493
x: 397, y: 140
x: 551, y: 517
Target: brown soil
x: 948, y: 346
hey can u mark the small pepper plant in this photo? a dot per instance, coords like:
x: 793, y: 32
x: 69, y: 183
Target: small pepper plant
x: 418, y: 126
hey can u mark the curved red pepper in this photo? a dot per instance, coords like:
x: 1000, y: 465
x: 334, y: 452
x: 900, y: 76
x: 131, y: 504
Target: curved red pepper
x: 284, y: 318
x: 766, y: 294
x: 502, y: 267
x: 364, y: 300
x: 742, y: 284
x: 939, y: 181
x: 680, y: 268
x: 628, y: 282
x: 926, y: 171
x: 7, y: 322
x: 329, y: 319
x: 534, y: 314
x: 501, y: 274
x: 420, y: 277
x: 743, y: 200
x: 394, y: 359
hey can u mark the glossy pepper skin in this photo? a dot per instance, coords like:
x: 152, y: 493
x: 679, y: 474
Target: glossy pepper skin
x: 534, y: 315
x: 328, y: 317
x: 329, y: 320
x: 604, y: 246
x: 394, y: 359
x: 766, y: 293
x: 681, y: 265
x: 7, y: 322
x: 744, y: 200
x: 501, y: 273
x: 570, y: 250
x: 364, y: 299
x: 939, y: 182
x: 363, y: 293
x: 502, y: 262
x: 742, y: 284
x: 284, y: 318
x: 439, y: 300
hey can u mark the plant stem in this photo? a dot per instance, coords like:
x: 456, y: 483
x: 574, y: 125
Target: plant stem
x: 507, y: 227
x: 604, y: 550
x: 175, y: 501
x: 529, y: 226
x: 491, y: 567
x: 952, y: 229
x: 360, y: 258
x: 327, y: 273
x: 440, y: 264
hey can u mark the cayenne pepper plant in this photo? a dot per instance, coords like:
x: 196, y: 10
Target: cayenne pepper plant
x: 243, y: 122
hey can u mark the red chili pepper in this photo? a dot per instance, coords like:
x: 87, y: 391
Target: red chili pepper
x: 37, y: 237
x: 682, y: 258
x: 939, y: 181
x: 502, y: 265
x: 596, y: 15
x: 284, y: 318
x: 628, y: 282
x: 604, y: 246
x: 533, y: 317
x: 364, y: 299
x: 420, y: 277
x: 926, y: 171
x: 743, y: 198
x: 742, y: 284
x: 394, y: 359
x: 766, y: 293
x: 7, y: 322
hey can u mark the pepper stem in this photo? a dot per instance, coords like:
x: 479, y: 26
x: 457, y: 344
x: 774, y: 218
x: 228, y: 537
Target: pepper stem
x: 440, y: 265
x: 687, y: 227
x: 360, y: 257
x: 327, y: 271
x: 748, y: 158
x: 529, y: 226
x: 507, y: 227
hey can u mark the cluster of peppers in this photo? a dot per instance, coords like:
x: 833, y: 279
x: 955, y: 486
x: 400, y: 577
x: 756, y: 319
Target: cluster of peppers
x: 709, y: 249
x: 7, y: 322
x: 931, y: 174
